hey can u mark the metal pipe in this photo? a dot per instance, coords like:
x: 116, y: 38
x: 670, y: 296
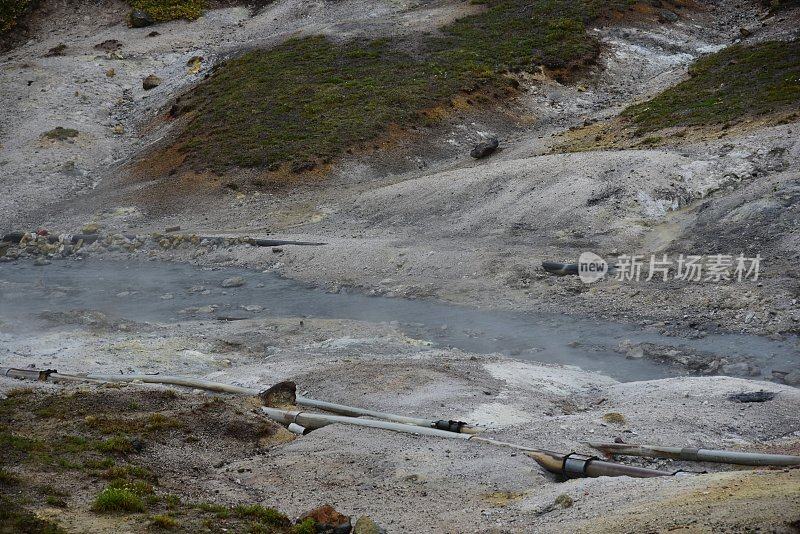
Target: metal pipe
x: 317, y: 420
x: 31, y: 374
x: 696, y: 455
x: 568, y: 465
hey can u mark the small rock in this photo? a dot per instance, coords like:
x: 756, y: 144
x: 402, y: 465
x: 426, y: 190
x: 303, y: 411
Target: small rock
x: 39, y: 262
x: 119, y: 129
x: 365, y: 525
x: 171, y: 229
x: 109, y: 45
x: 90, y: 228
x: 234, y: 281
x: 744, y: 32
x: 277, y: 250
x: 111, y: 73
x: 563, y: 501
x: 56, y: 50
x: 151, y: 82
x: 328, y: 520
x: 232, y: 315
x: 153, y: 34
x: 140, y: 19
x: 665, y: 15
x: 484, y: 149
x: 752, y: 396
x: 793, y: 378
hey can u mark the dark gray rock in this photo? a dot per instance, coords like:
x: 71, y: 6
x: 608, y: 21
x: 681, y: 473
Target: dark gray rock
x: 665, y: 15
x: 484, y: 149
x: 234, y: 281
x: 140, y: 19
x: 365, y: 525
x: 151, y: 82
x: 752, y: 396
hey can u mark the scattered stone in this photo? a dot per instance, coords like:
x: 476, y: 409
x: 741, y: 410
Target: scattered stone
x: 109, y: 45
x: 90, y: 228
x: 792, y: 378
x: 111, y: 73
x: 151, y: 82
x: 195, y: 64
x: 232, y: 315
x: 281, y: 395
x: 59, y: 133
x: 140, y: 19
x: 667, y: 16
x: 328, y: 520
x: 277, y: 250
x: 169, y: 229
x: 614, y: 418
x: 484, y: 149
x: 752, y: 396
x: 744, y: 32
x: 252, y: 307
x: 365, y: 525
x: 234, y: 281
x: 39, y: 262
x: 56, y: 50
x: 563, y: 501
x: 303, y: 166
x: 119, y: 129
x: 153, y: 34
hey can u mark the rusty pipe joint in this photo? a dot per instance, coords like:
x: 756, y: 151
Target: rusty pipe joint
x: 575, y: 465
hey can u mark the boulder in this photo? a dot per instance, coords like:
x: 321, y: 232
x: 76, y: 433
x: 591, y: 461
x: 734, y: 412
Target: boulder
x: 109, y: 45
x: 667, y: 16
x: 484, y: 149
x: 151, y: 82
x: 234, y: 281
x: 140, y: 19
x: 328, y: 520
x: 365, y: 525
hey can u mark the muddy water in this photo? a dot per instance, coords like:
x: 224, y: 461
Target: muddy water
x: 167, y: 292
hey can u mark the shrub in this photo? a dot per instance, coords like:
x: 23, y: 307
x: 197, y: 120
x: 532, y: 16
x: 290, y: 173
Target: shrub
x: 118, y: 500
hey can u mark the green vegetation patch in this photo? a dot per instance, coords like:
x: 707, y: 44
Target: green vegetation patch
x: 738, y: 82
x: 11, y: 11
x: 15, y: 519
x: 309, y: 99
x: 166, y: 10
x: 118, y: 500
x: 517, y: 34
x: 61, y: 134
x: 266, y: 516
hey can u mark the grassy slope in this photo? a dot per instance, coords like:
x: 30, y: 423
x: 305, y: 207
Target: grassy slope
x: 166, y: 10
x: 738, y: 82
x: 309, y: 99
x: 85, y: 452
x: 11, y: 11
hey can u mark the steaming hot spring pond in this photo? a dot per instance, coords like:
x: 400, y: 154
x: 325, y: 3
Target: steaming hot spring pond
x: 158, y: 292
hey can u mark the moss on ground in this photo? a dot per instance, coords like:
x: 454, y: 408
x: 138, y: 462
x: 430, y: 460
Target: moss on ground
x: 307, y: 100
x: 16, y: 519
x: 61, y: 134
x: 56, y: 451
x: 118, y: 500
x: 735, y: 83
x: 11, y: 11
x: 166, y: 10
